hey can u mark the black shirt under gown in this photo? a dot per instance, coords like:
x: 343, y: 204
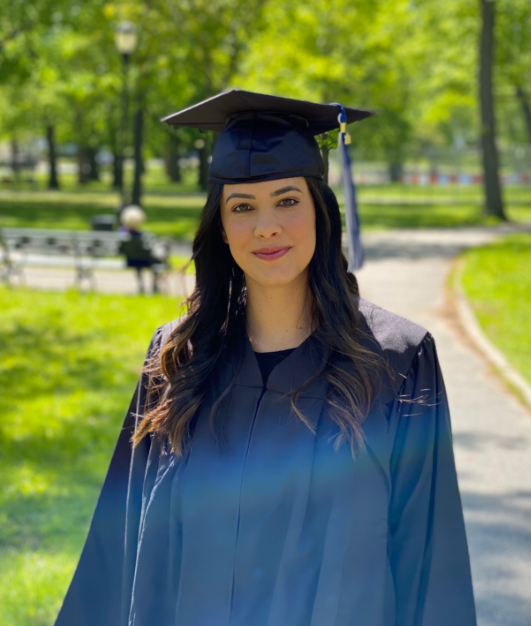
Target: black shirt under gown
x: 281, y: 529
x: 267, y: 361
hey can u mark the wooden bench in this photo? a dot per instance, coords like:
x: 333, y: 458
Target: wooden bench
x: 86, y: 251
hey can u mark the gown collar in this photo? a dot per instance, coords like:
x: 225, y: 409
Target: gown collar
x: 290, y: 373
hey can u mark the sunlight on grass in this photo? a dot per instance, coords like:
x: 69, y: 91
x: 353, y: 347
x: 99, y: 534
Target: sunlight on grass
x: 497, y: 280
x: 69, y: 366
x: 29, y: 582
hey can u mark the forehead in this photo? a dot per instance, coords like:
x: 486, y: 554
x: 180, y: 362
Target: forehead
x: 265, y: 188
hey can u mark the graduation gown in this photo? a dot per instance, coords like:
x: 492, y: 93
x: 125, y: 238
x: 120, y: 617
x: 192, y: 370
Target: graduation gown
x: 280, y: 529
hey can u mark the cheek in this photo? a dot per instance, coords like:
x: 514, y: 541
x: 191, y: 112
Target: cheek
x: 301, y: 229
x: 239, y: 233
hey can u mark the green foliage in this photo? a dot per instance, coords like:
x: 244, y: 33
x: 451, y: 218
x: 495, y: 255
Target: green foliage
x: 497, y: 280
x: 328, y: 141
x: 69, y: 366
x: 413, y: 63
x: 337, y: 52
x: 514, y: 68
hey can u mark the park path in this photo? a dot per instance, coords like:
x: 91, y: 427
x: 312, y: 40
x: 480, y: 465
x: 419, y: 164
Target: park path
x: 406, y: 273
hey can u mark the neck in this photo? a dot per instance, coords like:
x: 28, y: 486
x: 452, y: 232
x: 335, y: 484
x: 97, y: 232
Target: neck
x: 279, y: 317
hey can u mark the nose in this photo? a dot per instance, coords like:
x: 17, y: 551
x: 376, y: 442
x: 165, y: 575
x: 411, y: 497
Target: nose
x: 267, y: 225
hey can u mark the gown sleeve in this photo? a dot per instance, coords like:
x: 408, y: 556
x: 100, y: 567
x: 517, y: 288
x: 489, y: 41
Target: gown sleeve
x: 102, y: 577
x: 427, y: 544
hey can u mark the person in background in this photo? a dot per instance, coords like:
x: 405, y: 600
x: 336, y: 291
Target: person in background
x: 132, y: 217
x: 140, y: 253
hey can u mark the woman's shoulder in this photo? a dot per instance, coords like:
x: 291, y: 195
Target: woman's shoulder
x: 390, y: 330
x: 162, y: 335
x: 398, y: 338
x: 166, y: 330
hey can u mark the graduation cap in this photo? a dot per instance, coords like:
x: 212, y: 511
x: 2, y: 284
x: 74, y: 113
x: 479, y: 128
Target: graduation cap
x: 268, y: 137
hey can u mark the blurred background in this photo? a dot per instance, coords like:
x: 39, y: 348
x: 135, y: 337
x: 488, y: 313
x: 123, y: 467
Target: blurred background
x: 443, y: 175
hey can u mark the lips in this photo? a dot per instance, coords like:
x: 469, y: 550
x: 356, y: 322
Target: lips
x: 272, y: 253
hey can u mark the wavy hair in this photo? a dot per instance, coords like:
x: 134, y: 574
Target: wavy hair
x: 213, y: 332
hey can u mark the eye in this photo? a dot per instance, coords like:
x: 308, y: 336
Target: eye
x: 288, y: 202
x: 242, y: 208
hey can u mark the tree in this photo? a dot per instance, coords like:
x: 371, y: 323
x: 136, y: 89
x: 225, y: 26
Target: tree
x: 422, y: 86
x: 492, y: 187
x: 353, y: 53
x: 513, y: 59
x: 53, y: 182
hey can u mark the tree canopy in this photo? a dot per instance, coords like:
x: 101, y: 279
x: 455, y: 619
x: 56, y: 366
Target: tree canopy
x: 414, y: 63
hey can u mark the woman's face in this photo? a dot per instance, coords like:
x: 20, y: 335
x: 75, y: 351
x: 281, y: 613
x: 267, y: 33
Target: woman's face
x: 270, y: 229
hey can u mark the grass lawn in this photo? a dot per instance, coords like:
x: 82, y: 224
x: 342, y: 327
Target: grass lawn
x: 177, y: 215
x: 497, y: 281
x: 69, y: 365
x: 168, y: 216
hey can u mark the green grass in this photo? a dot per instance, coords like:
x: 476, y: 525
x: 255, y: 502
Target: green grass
x: 180, y: 263
x: 417, y: 215
x: 153, y: 181
x: 398, y: 193
x: 177, y: 216
x: 497, y: 281
x: 168, y: 216
x: 69, y: 365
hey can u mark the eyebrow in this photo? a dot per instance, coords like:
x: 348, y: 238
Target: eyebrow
x: 247, y: 196
x: 279, y: 192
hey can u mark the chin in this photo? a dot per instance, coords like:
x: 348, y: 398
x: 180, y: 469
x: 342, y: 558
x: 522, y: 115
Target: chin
x: 277, y: 278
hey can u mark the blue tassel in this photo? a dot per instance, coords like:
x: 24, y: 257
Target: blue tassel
x: 355, y: 249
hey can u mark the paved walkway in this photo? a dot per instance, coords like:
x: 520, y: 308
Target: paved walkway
x: 405, y: 273
x: 105, y: 281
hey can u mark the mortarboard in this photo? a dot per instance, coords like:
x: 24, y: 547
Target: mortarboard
x: 268, y: 137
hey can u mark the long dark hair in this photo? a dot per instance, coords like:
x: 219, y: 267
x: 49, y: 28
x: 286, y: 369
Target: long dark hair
x: 213, y: 330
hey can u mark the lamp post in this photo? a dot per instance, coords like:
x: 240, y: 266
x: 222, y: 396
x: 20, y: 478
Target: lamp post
x: 126, y: 40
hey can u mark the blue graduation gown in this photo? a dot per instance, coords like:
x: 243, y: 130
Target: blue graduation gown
x: 278, y: 528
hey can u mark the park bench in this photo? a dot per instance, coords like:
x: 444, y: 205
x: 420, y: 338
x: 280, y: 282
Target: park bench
x: 86, y: 251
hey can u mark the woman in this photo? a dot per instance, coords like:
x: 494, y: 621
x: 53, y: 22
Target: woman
x: 292, y: 460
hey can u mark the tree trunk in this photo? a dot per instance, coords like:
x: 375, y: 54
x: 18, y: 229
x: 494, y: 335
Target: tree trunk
x: 492, y: 187
x: 117, y: 171
x: 204, y: 153
x: 325, y: 152
x: 83, y: 165
x: 139, y: 165
x: 124, y: 127
x: 53, y: 179
x: 114, y: 144
x: 526, y: 108
x: 15, y: 165
x: 396, y: 171
x: 173, y: 171
x: 92, y: 154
